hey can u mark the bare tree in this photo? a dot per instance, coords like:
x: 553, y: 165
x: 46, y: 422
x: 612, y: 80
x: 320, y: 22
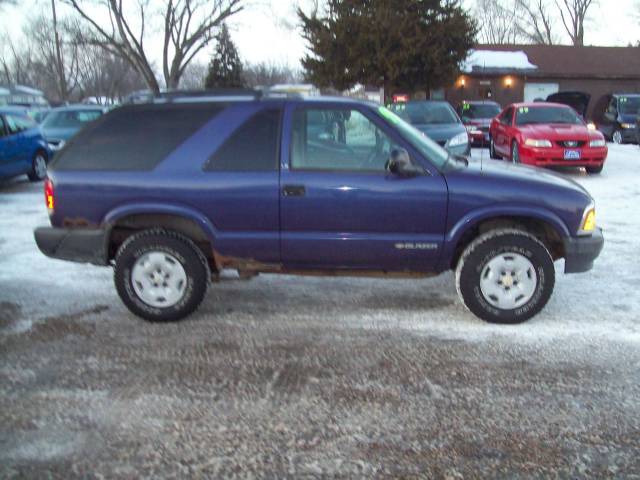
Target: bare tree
x: 193, y: 76
x: 498, y: 21
x: 266, y: 74
x: 573, y: 14
x: 17, y: 64
x: 187, y: 25
x: 535, y: 22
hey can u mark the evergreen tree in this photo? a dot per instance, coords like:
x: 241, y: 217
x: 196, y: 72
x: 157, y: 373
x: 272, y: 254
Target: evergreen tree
x: 404, y: 44
x: 225, y: 68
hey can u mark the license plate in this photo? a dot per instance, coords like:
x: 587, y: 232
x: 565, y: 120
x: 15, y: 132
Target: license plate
x: 572, y: 154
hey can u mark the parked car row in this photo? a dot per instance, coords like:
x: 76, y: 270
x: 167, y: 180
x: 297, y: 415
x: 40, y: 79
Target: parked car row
x: 26, y: 147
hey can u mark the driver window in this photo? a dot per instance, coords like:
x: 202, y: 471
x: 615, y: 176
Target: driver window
x: 2, y: 128
x: 337, y: 139
x: 612, y: 108
x: 12, y: 125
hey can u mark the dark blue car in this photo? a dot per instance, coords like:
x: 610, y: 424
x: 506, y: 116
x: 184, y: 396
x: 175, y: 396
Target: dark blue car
x: 439, y: 121
x: 173, y: 192
x: 22, y: 147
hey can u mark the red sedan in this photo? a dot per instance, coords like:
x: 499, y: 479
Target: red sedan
x: 545, y: 135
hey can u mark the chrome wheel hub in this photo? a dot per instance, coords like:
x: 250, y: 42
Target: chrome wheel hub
x: 508, y: 281
x: 159, y: 279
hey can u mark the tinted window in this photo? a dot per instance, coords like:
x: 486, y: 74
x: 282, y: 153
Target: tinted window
x: 479, y: 110
x: 337, y: 139
x: 629, y: 105
x: 252, y: 147
x: 418, y: 113
x: 133, y: 137
x: 534, y: 115
x: 70, y: 118
x: 2, y: 128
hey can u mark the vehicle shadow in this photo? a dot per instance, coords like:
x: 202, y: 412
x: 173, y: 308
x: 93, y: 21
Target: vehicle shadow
x: 18, y: 185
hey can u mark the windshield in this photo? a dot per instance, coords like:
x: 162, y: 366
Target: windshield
x: 416, y: 138
x: 479, y: 110
x: 70, y: 118
x: 420, y: 113
x: 534, y: 115
x: 629, y: 105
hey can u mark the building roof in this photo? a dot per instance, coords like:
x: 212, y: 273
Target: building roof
x: 563, y: 61
x: 496, y: 61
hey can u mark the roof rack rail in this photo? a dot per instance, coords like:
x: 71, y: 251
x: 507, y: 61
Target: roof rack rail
x: 219, y: 95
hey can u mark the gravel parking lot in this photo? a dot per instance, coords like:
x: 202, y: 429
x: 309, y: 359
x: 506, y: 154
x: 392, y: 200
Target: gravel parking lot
x: 291, y: 377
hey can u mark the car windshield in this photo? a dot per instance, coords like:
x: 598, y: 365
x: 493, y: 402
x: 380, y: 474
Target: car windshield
x: 479, y: 110
x: 419, y: 113
x: 70, y: 118
x: 629, y: 105
x: 415, y: 137
x: 534, y: 115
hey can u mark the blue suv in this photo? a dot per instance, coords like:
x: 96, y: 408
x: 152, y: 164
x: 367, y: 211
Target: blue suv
x: 172, y: 192
x: 22, y: 147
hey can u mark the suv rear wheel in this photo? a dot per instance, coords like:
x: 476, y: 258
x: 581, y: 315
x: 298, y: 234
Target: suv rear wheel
x: 161, y: 275
x: 505, y: 276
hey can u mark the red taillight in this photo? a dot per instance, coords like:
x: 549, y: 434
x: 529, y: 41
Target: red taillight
x: 48, y: 195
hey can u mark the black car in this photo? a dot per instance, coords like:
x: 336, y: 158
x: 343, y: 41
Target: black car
x: 437, y: 120
x: 616, y: 117
x: 579, y: 101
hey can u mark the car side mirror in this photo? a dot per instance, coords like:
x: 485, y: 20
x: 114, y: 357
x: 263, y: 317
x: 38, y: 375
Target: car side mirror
x: 400, y: 164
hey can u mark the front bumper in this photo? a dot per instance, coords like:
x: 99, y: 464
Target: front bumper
x: 580, y: 252
x: 76, y: 245
x: 629, y: 135
x: 554, y: 157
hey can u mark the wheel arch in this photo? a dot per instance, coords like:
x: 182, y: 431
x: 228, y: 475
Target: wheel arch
x: 123, y: 222
x: 545, y: 226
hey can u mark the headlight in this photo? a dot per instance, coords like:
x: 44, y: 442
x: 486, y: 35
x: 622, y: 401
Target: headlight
x: 588, y: 224
x: 532, y: 142
x: 628, y: 125
x: 597, y: 143
x: 591, y: 126
x: 56, y: 145
x: 459, y: 139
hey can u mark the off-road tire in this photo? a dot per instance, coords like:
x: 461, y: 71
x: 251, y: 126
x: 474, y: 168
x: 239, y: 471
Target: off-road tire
x: 181, y: 248
x: 486, y: 247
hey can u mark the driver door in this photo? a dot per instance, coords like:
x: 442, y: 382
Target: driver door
x: 340, y: 208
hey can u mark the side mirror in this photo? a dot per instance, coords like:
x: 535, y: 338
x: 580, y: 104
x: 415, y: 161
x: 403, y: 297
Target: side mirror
x: 400, y: 164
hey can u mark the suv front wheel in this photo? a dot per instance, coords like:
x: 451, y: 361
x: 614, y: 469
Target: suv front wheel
x: 161, y: 275
x: 505, y: 276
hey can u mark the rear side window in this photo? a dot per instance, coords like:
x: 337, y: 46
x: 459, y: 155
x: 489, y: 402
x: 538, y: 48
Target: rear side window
x: 134, y: 137
x: 252, y: 147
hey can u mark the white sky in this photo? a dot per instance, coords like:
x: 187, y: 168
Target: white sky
x: 261, y: 33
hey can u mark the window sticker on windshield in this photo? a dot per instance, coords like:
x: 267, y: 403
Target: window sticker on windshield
x: 389, y: 115
x: 523, y: 110
x: 466, y: 106
x: 623, y: 99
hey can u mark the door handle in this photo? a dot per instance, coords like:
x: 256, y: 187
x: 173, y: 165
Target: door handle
x: 293, y: 190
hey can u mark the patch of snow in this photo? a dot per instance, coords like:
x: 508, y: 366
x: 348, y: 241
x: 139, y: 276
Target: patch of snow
x: 493, y: 59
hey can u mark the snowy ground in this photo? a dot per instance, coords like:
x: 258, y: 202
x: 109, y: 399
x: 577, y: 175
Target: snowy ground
x: 287, y: 377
